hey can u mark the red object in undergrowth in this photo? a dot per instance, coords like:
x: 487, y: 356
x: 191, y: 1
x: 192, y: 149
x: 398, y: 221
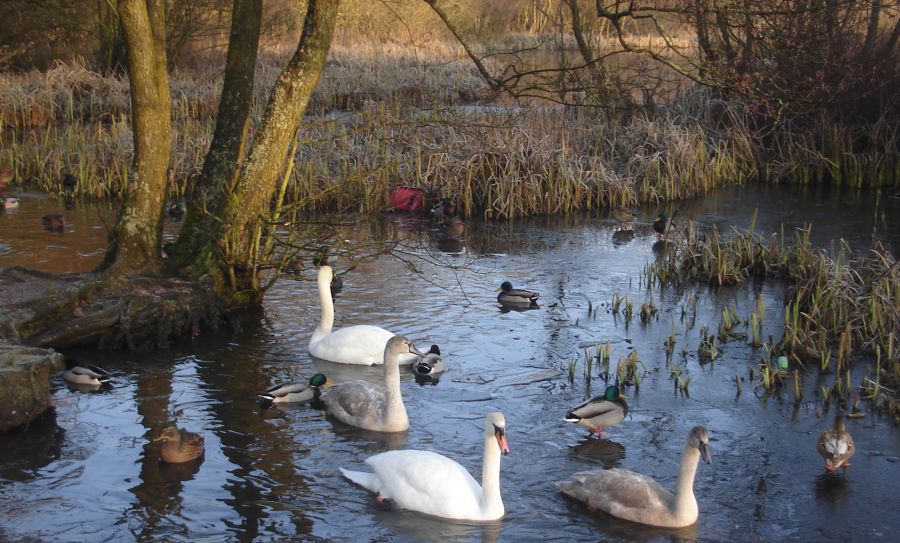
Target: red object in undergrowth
x: 406, y: 199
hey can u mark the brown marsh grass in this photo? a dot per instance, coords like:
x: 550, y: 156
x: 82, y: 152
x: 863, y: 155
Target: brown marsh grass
x: 837, y: 304
x: 388, y: 114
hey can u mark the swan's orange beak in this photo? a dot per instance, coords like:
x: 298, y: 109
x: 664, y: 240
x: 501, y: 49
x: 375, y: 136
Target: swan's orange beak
x: 500, y: 434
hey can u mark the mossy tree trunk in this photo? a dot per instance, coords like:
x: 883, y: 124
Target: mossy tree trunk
x: 134, y: 242
x: 247, y: 202
x: 197, y: 248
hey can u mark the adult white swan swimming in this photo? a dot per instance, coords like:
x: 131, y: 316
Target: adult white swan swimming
x: 360, y: 344
x: 436, y: 485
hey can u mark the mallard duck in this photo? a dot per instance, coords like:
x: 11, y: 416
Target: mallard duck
x: 601, y: 411
x: 430, y: 364
x: 7, y: 202
x: 361, y: 404
x: 661, y: 225
x: 433, y: 484
x: 624, y: 216
x: 453, y: 227
x: 69, y: 181
x: 444, y: 209
x: 836, y: 446
x: 54, y: 222
x: 361, y: 344
x: 176, y: 209
x: 295, y: 392
x: 514, y: 296
x: 85, y: 374
x: 321, y: 257
x: 180, y: 445
x: 638, y: 498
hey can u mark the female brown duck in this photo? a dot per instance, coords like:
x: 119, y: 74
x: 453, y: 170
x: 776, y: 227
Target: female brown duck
x: 180, y: 445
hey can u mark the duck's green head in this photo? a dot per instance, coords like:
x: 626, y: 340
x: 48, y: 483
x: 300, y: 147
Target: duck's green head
x: 663, y: 216
x: 321, y: 256
x: 613, y: 393
x: 506, y: 286
x: 318, y: 380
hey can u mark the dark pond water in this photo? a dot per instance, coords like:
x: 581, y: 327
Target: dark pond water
x: 88, y: 472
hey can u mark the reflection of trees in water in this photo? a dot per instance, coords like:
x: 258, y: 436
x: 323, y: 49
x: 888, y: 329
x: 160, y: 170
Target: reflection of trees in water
x: 29, y: 448
x: 227, y: 388
x: 360, y: 236
x: 158, y: 497
x: 262, y: 454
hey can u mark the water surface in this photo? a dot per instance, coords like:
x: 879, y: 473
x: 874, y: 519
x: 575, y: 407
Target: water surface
x: 88, y: 471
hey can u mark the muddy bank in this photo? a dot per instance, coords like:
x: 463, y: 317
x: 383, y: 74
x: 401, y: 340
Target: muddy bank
x: 81, y: 310
x: 25, y: 382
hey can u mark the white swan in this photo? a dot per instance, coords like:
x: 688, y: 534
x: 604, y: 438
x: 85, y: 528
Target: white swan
x: 436, y: 485
x: 362, y: 404
x: 638, y: 498
x: 361, y: 344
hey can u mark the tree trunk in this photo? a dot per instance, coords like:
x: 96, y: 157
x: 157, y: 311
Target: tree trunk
x: 134, y: 243
x: 197, y: 248
x: 249, y: 204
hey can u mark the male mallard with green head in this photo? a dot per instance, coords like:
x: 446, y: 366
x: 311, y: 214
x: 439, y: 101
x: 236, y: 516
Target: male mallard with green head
x: 661, y: 225
x: 295, y: 392
x: 516, y: 296
x: 444, y: 209
x: 601, y: 411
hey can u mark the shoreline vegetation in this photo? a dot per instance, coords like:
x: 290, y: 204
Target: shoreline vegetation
x: 419, y: 113
x: 373, y: 126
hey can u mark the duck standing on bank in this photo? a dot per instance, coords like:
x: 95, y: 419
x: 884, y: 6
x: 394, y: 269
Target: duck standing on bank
x: 661, y: 225
x: 836, y: 446
x: 624, y: 216
x: 600, y: 412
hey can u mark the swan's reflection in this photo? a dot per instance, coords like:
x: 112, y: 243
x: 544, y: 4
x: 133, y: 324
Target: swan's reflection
x: 367, y: 440
x: 418, y: 527
x: 632, y: 531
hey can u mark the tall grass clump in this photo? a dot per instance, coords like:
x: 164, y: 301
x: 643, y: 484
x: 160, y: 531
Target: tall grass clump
x: 835, y: 302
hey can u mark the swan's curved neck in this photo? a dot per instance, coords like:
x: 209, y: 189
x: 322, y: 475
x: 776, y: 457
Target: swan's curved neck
x: 326, y: 321
x: 490, y: 477
x: 685, y: 502
x: 394, y: 409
